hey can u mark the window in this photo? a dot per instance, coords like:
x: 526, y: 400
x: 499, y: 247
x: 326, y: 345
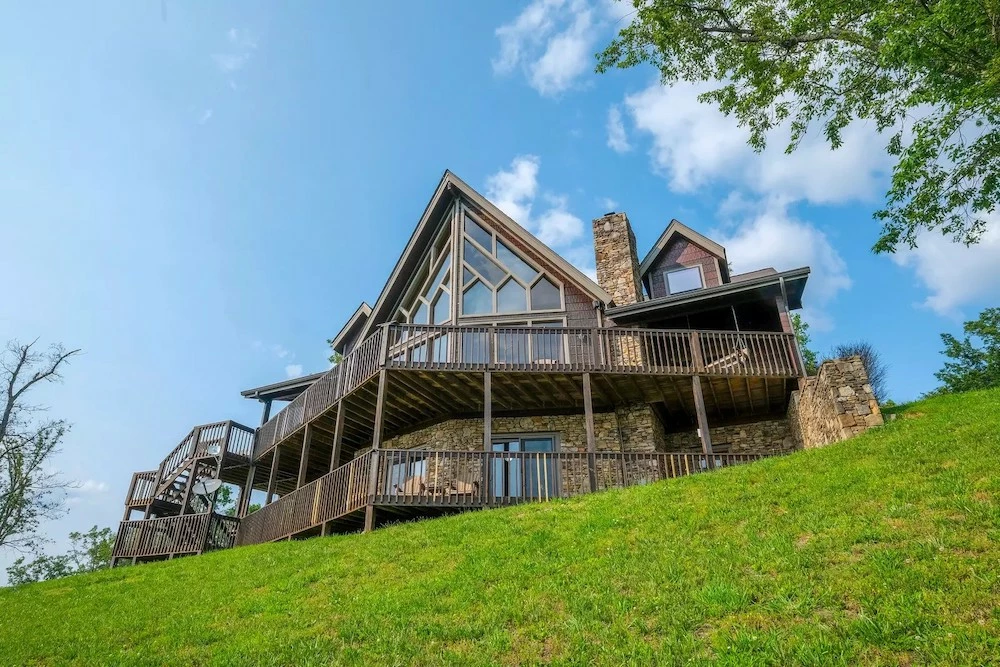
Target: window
x: 683, y: 280
x: 522, y: 467
x: 496, y: 279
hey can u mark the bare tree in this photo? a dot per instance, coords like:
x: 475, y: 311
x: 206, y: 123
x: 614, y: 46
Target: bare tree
x: 29, y: 491
x: 875, y: 366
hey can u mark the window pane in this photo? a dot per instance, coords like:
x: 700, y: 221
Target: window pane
x: 481, y: 236
x: 467, y: 276
x: 516, y: 265
x: 486, y: 267
x: 477, y: 299
x: 441, y: 307
x: 475, y: 347
x: 420, y: 315
x: 438, y: 278
x: 511, y: 298
x: 544, y: 295
x: 683, y: 280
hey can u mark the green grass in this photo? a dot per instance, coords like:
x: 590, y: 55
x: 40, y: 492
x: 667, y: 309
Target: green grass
x: 879, y: 550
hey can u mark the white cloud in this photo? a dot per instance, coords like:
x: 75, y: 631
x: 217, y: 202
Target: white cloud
x: 206, y: 116
x: 617, y: 138
x: 607, y: 204
x: 693, y: 143
x: 91, y: 486
x: 240, y: 45
x: 293, y: 370
x: 765, y: 235
x: 515, y: 192
x: 552, y: 41
x: 955, y: 275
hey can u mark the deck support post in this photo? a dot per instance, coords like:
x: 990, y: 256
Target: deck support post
x: 304, y: 462
x: 267, y: 412
x: 487, y: 411
x: 703, y: 432
x: 272, y: 479
x: 338, y: 437
x: 588, y: 413
x: 373, y: 476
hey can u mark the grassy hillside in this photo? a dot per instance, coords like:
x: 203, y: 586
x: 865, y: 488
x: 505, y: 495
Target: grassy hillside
x: 880, y: 550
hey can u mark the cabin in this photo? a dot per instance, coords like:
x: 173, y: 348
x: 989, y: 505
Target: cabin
x: 490, y: 371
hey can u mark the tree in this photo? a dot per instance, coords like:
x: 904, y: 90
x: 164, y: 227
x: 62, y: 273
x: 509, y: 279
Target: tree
x: 926, y: 73
x: 335, y: 357
x: 29, y: 491
x: 875, y: 365
x: 975, y: 360
x: 801, y: 329
x: 88, y: 552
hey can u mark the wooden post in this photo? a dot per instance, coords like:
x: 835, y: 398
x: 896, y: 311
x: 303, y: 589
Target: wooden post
x: 696, y: 358
x: 588, y: 412
x: 267, y: 412
x: 699, y: 406
x: 373, y: 476
x: 795, y: 341
x: 338, y: 437
x: 487, y: 410
x: 272, y: 479
x: 304, y: 462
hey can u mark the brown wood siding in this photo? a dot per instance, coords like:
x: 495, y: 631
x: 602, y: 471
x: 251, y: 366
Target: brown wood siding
x: 680, y: 254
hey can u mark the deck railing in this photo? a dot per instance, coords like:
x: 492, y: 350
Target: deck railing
x: 329, y: 497
x: 235, y: 440
x: 490, y: 479
x: 466, y: 479
x: 174, y: 535
x: 142, y: 489
x: 538, y: 349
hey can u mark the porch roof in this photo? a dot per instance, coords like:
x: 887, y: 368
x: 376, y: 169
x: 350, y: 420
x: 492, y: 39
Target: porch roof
x: 286, y: 390
x: 766, y: 286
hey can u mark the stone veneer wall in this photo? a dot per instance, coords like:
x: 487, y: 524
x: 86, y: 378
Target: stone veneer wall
x: 763, y: 437
x: 617, y: 259
x: 632, y: 429
x: 835, y: 404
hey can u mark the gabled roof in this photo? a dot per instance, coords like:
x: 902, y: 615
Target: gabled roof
x: 450, y: 187
x: 354, y: 324
x: 791, y: 283
x: 676, y: 227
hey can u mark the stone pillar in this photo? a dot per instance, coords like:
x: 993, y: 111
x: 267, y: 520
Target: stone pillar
x: 618, y: 274
x: 617, y: 261
x: 835, y: 404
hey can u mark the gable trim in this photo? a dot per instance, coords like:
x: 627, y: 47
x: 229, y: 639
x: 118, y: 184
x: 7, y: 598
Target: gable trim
x: 363, y: 312
x: 676, y: 227
x: 451, y: 185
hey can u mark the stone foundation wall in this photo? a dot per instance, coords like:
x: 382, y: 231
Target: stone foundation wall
x: 763, y: 437
x: 632, y: 429
x: 833, y: 405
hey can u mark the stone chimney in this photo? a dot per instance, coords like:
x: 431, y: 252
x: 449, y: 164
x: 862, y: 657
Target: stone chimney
x: 617, y: 261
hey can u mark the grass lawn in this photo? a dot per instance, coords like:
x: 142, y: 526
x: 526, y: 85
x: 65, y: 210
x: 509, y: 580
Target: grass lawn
x: 879, y: 550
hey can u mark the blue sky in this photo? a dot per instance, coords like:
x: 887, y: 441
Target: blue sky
x: 199, y: 194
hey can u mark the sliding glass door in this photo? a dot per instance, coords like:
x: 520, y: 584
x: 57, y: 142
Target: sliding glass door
x: 523, y: 467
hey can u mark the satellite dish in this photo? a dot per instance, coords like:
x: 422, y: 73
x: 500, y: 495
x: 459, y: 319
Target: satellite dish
x: 208, y: 487
x: 214, y: 449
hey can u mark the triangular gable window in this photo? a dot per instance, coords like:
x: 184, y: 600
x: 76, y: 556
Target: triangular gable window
x: 428, y: 300
x: 496, y: 279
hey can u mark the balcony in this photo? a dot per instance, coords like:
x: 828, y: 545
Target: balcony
x: 156, y: 539
x: 616, y: 354
x: 410, y: 482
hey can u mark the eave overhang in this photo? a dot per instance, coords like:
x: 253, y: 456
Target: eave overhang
x: 793, y: 283
x: 286, y: 390
x: 353, y: 326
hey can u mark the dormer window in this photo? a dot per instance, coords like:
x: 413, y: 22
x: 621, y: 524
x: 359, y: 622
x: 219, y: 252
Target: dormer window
x: 683, y: 280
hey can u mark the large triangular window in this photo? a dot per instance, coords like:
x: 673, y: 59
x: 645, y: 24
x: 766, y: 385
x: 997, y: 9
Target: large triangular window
x: 496, y: 279
x: 428, y: 300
